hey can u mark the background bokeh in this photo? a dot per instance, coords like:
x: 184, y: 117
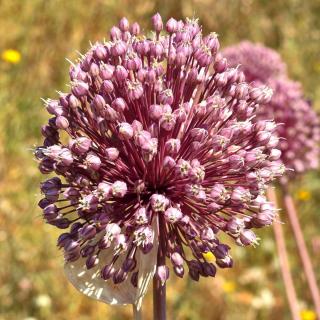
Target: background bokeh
x: 43, y: 33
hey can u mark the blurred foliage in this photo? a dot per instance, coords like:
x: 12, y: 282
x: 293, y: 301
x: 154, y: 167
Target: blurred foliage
x: 39, y: 35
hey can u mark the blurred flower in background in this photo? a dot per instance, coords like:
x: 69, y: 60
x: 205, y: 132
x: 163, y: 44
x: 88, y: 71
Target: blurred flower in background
x: 304, y: 195
x: 298, y: 125
x: 308, y: 315
x: 11, y: 56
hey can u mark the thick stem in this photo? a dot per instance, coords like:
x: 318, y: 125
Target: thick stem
x: 284, y: 262
x: 159, y: 300
x: 302, y: 249
x: 159, y: 289
x: 137, y: 314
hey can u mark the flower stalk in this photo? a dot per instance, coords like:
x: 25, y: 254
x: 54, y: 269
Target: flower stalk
x: 284, y: 261
x: 137, y: 313
x: 159, y: 286
x: 302, y: 248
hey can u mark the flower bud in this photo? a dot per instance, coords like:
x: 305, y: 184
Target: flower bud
x: 119, y: 189
x: 107, y: 272
x: 80, y: 145
x: 124, y: 24
x: 93, y: 161
x: 176, y: 259
x: 87, y: 232
x: 112, y: 154
x: 173, y: 215
x: 162, y: 273
x: 135, y: 29
x: 172, y: 146
x: 171, y: 25
x: 159, y: 202
x: 62, y: 122
x: 80, y: 89
x: 157, y: 22
x: 92, y: 261
x: 129, y: 264
x: 119, y: 105
x: 125, y: 131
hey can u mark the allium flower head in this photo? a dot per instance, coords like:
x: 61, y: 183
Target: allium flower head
x: 297, y: 123
x: 258, y: 62
x: 161, y: 157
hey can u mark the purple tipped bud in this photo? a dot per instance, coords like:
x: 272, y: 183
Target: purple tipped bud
x: 124, y: 24
x: 275, y: 154
x: 80, y: 88
x: 159, y: 202
x: 221, y: 251
x: 220, y: 65
x: 119, y: 105
x: 62, y: 122
x: 172, y: 146
x: 209, y: 269
x: 169, y: 163
x: 157, y: 22
x: 226, y: 262
x: 129, y: 265
x: 71, y: 193
x: 112, y: 154
x: 171, y: 25
x: 156, y: 112
x: 100, y: 52
x: 87, y: 232
x: 50, y: 212
x: 141, y: 216
x: 207, y: 234
x: 71, y: 246
x: 63, y: 240
x: 106, y: 71
x: 99, y: 102
x: 115, y: 33
x: 92, y: 261
x: 135, y: 28
x: 247, y: 238
x: 80, y: 145
x: 162, y: 273
x: 120, y: 73
x: 179, y: 271
x: 93, y: 161
x: 119, y: 189
x: 107, y: 272
x: 177, y: 259
x: 173, y: 215
x: 125, y: 131
x: 107, y: 87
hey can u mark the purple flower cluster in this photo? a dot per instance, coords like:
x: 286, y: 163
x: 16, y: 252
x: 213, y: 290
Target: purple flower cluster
x: 258, y: 62
x: 162, y: 153
x: 298, y: 124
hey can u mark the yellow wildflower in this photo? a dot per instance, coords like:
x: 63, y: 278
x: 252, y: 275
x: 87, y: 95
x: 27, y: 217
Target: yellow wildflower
x: 209, y: 256
x: 11, y: 56
x: 228, y: 286
x: 308, y: 315
x: 304, y: 195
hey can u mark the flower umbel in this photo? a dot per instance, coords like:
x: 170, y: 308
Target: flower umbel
x: 161, y: 146
x: 298, y: 125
